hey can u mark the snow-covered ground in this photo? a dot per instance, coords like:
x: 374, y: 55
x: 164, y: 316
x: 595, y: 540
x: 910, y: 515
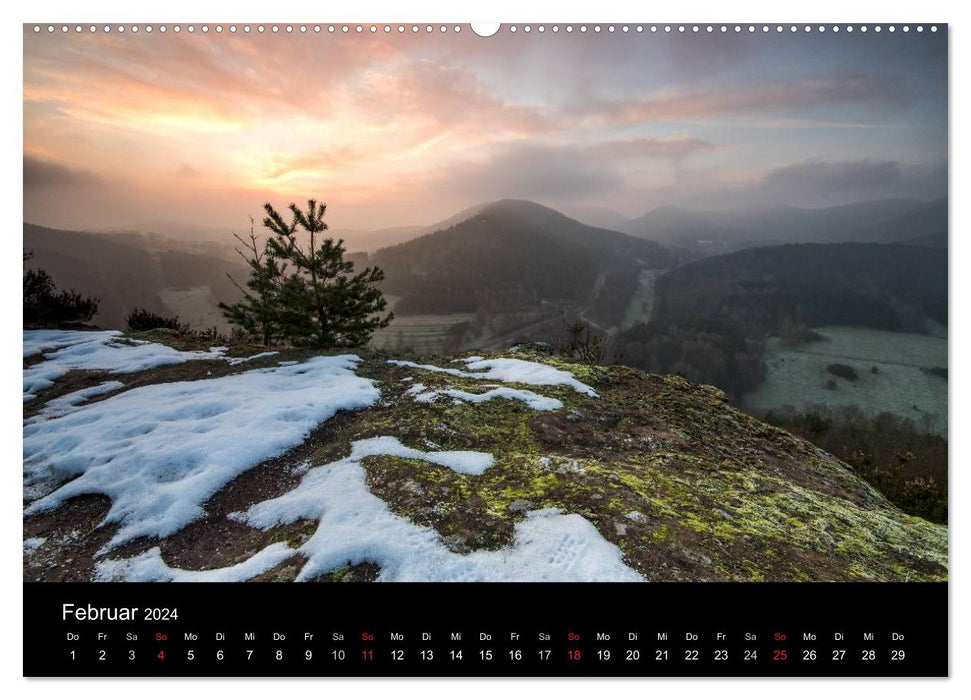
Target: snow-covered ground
x: 104, y: 350
x: 507, y: 369
x: 67, y: 403
x: 535, y: 401
x: 97, y: 350
x: 240, y: 360
x: 50, y: 340
x: 160, y: 451
x: 356, y: 526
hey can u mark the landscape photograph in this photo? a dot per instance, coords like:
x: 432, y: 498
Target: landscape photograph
x: 395, y: 303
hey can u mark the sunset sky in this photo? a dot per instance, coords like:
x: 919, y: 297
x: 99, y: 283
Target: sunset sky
x: 130, y: 130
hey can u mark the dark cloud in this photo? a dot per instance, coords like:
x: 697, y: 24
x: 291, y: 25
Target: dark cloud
x: 824, y: 182
x: 44, y: 173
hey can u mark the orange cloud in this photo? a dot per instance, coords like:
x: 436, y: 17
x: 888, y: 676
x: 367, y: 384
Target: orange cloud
x: 392, y: 126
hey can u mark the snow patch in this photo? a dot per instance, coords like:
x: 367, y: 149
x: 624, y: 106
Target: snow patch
x: 240, y: 360
x: 420, y: 395
x: 463, y: 462
x: 97, y: 350
x: 32, y: 543
x: 355, y: 526
x: 149, y: 566
x: 537, y: 402
x: 160, y: 451
x: 48, y: 340
x: 507, y: 369
x: 430, y: 368
x: 65, y: 404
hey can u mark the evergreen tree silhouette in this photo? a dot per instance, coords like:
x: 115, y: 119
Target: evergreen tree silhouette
x: 303, y: 290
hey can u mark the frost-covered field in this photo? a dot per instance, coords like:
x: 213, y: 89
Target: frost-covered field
x: 161, y: 451
x: 798, y: 376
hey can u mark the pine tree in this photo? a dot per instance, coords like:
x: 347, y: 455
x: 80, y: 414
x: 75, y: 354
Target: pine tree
x: 304, y: 291
x: 259, y: 313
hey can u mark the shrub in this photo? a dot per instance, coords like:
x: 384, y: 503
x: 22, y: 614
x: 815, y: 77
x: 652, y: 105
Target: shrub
x: 46, y: 305
x: 582, y: 345
x: 145, y: 320
x: 843, y: 371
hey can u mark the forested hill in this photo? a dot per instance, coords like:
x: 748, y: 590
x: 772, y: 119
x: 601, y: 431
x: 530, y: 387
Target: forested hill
x: 712, y: 316
x: 856, y: 284
x: 123, y: 271
x: 508, y: 254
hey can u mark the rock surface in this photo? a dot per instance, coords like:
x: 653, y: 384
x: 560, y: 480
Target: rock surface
x: 687, y: 487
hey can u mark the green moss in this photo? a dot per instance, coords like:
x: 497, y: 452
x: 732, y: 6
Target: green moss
x: 293, y: 534
x: 337, y: 575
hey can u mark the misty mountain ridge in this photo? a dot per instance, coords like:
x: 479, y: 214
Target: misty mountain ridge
x: 125, y: 271
x: 506, y: 256
x: 509, y: 254
x: 716, y: 230
x: 704, y: 230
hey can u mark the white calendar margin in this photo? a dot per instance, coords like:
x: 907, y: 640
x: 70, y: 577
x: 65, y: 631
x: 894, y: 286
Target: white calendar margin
x: 381, y: 11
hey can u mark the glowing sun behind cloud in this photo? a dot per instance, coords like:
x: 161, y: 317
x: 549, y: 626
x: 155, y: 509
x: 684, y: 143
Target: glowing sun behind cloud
x: 121, y: 129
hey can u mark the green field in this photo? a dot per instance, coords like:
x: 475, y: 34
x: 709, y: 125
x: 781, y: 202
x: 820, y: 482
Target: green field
x: 424, y: 334
x: 798, y: 376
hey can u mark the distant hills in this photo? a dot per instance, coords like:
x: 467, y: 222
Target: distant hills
x: 508, y: 254
x: 125, y: 271
x: 505, y: 257
x: 704, y: 231
x: 715, y: 231
x: 922, y: 225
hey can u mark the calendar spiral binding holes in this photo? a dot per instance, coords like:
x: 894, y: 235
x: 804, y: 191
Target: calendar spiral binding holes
x: 417, y: 29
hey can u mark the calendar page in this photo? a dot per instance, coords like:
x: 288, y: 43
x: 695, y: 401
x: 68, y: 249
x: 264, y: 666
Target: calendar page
x: 439, y: 349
